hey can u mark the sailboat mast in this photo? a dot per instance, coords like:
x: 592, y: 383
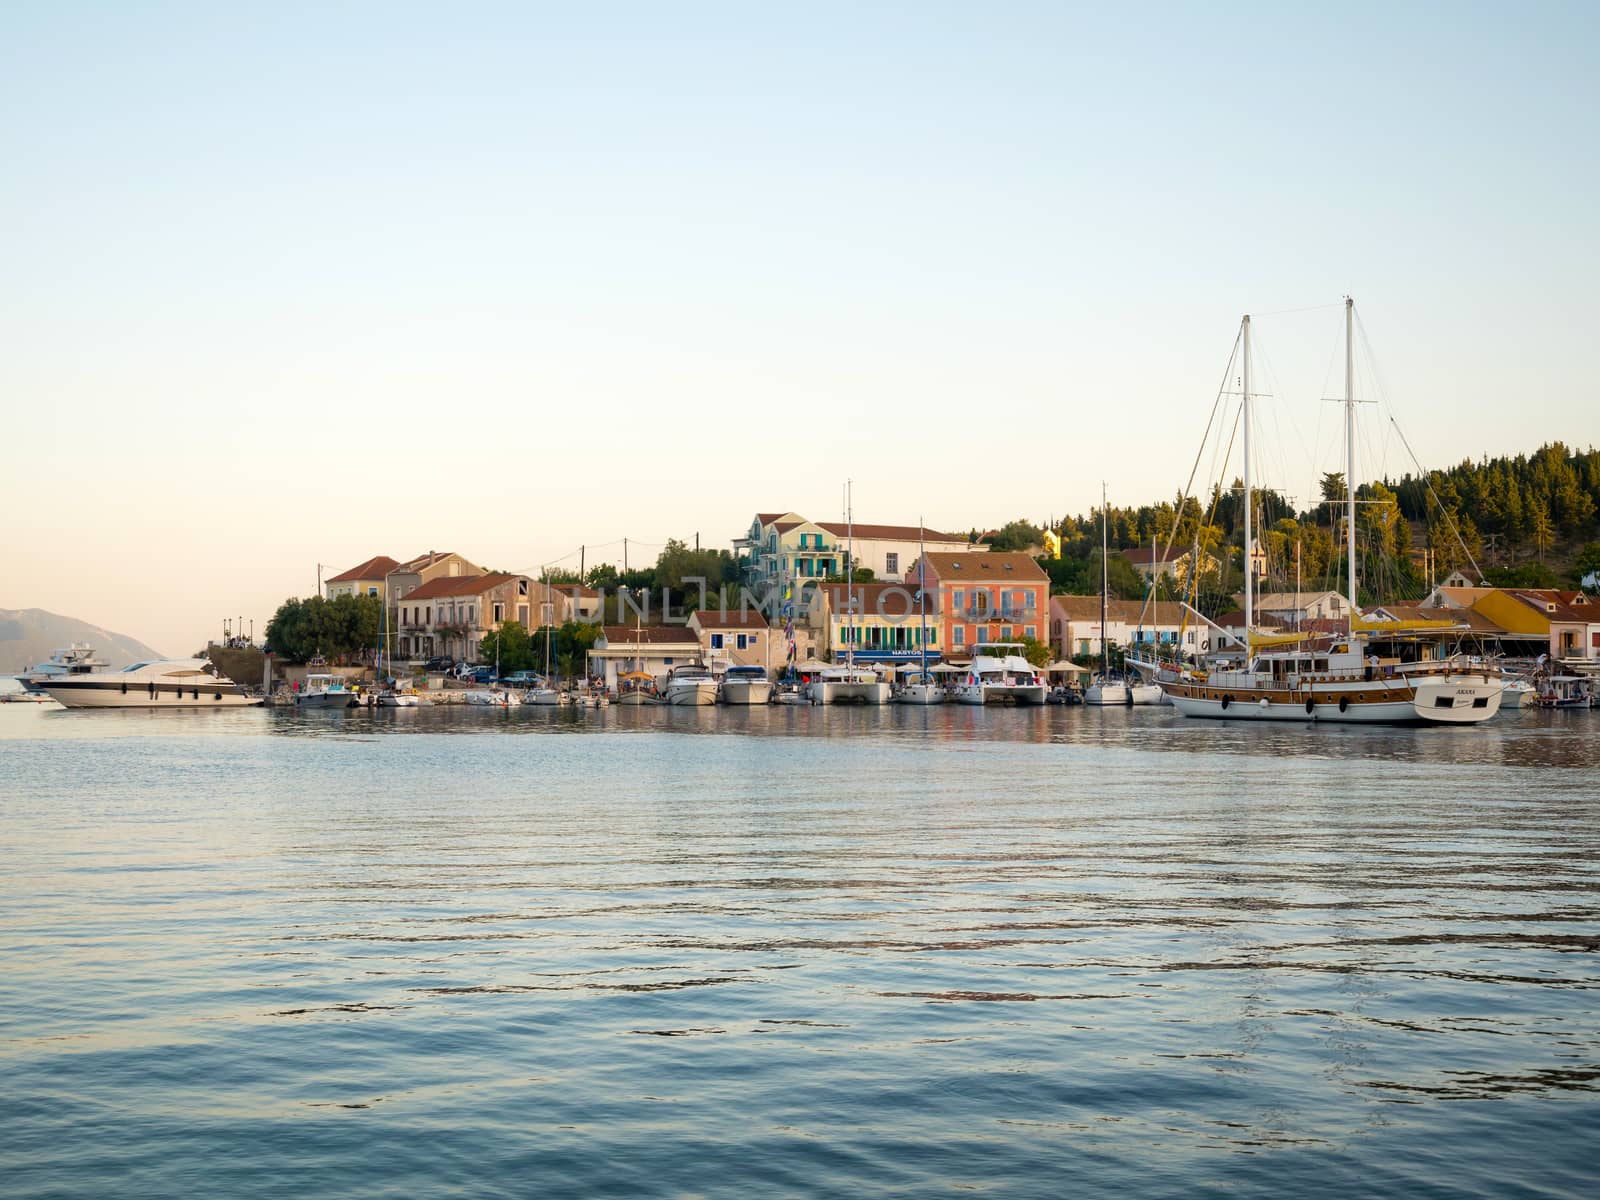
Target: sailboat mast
x: 1249, y: 573
x: 1105, y: 580
x: 1350, y: 449
x: 850, y: 580
x: 922, y: 593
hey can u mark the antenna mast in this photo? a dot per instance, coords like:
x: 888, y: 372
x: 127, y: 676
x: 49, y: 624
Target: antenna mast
x: 1350, y: 449
x: 1249, y: 563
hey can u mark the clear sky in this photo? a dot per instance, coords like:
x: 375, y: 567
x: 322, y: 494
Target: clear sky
x: 309, y: 283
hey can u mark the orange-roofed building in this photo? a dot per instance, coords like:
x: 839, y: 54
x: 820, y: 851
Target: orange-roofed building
x: 993, y: 596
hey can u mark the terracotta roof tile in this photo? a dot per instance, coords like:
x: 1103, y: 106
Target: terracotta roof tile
x: 896, y: 533
x: 458, y: 585
x: 986, y: 565
x: 375, y: 567
x: 650, y: 635
x: 748, y: 619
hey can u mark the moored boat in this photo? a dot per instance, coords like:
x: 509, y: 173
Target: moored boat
x: 847, y: 684
x: 165, y: 683
x: 1387, y: 672
x: 324, y: 690
x: 691, y: 685
x: 76, y: 659
x: 999, y: 674
x: 745, y: 685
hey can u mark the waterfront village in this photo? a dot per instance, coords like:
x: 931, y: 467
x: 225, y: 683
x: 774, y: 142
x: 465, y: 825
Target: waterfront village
x: 796, y: 595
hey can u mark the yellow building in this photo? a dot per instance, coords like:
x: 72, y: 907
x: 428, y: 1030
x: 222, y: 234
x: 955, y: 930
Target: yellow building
x: 1567, y: 622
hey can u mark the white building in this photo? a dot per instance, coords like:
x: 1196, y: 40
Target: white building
x: 786, y: 549
x: 1290, y: 608
x: 653, y: 649
x: 1075, y: 625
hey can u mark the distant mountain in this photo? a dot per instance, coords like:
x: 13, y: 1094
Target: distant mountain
x: 28, y: 636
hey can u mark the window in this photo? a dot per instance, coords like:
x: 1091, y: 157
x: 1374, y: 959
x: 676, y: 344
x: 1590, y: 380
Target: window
x: 961, y: 635
x: 743, y: 641
x: 1005, y: 632
x: 499, y: 613
x: 1028, y: 631
x: 891, y: 564
x: 955, y: 598
x: 716, y: 641
x: 372, y: 591
x: 522, y: 587
x: 1083, y: 645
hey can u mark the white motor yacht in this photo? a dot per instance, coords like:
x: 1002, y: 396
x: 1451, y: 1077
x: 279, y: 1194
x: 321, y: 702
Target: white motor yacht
x: 999, y: 674
x: 691, y: 684
x: 166, y: 683
x: 322, y: 690
x: 76, y: 659
x: 746, y: 685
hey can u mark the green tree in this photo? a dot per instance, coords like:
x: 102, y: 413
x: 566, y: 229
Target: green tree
x: 1017, y: 535
x: 1122, y: 580
x: 1540, y: 527
x: 1586, y: 565
x: 1036, y: 652
x: 510, y: 645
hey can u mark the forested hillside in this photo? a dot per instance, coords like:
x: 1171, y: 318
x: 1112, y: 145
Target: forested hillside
x: 1528, y: 519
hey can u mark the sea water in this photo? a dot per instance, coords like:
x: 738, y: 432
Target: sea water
x: 792, y: 951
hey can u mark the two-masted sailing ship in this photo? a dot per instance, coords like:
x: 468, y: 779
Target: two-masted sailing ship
x: 1373, y: 671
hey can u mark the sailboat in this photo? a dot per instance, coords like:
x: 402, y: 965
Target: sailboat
x: 546, y: 695
x: 1375, y: 672
x: 1109, y: 690
x: 389, y: 694
x: 846, y: 683
x: 921, y: 688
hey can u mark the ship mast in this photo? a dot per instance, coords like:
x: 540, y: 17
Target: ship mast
x: 1105, y: 582
x: 850, y: 583
x: 922, y: 593
x: 1249, y: 572
x: 1350, y: 452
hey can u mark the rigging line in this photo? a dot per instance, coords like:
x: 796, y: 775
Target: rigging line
x: 1427, y: 481
x: 1285, y: 312
x: 1281, y: 412
x: 1216, y: 406
x: 1426, y: 477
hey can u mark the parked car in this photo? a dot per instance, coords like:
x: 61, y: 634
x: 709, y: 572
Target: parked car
x: 522, y: 679
x: 482, y: 674
x: 439, y: 662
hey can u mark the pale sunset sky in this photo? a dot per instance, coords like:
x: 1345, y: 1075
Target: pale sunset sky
x: 308, y: 283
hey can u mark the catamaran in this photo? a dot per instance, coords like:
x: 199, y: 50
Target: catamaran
x: 1000, y: 674
x: 1374, y: 672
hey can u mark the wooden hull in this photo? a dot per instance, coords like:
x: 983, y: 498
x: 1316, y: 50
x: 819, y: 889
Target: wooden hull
x: 1433, y: 700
